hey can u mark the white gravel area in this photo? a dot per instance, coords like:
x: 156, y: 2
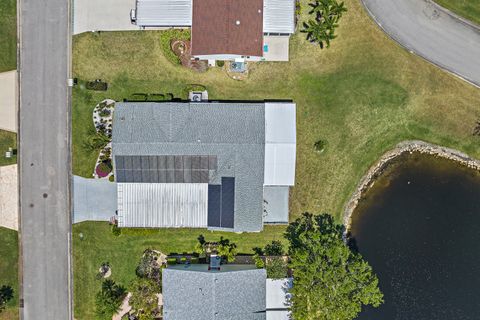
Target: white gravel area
x: 9, y: 197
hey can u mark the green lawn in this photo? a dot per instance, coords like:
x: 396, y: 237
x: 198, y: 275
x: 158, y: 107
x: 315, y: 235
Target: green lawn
x: 7, y: 140
x: 363, y: 95
x: 9, y: 270
x: 123, y: 253
x: 8, y: 35
x: 469, y: 9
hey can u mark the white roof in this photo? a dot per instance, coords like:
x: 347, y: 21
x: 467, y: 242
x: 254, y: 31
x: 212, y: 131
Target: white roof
x: 277, y: 293
x: 280, y: 144
x: 164, y: 13
x: 162, y: 205
x: 279, y: 16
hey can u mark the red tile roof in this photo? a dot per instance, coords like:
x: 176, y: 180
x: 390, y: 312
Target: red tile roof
x: 227, y: 27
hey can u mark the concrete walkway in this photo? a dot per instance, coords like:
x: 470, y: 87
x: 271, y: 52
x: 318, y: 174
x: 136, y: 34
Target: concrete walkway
x: 9, y: 197
x: 427, y: 30
x: 93, y: 199
x: 104, y: 15
x: 8, y: 101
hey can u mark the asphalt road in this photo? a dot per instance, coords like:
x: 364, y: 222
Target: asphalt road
x: 44, y: 162
x: 421, y: 27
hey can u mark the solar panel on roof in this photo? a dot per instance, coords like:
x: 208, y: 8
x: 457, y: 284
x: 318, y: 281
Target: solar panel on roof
x: 214, y: 200
x: 228, y: 202
x: 165, y: 169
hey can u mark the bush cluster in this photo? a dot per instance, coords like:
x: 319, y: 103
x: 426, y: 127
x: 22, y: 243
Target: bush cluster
x: 96, y: 85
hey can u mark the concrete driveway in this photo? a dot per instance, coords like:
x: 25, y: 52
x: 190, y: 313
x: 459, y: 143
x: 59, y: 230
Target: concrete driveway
x: 422, y: 27
x: 104, y: 15
x: 8, y: 101
x: 9, y: 197
x: 93, y: 199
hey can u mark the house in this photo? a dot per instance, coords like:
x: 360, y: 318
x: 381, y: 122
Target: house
x: 234, y: 292
x: 216, y: 165
x: 240, y: 30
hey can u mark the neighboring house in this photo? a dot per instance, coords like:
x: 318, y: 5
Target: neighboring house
x: 217, y: 165
x: 235, y: 292
x: 225, y: 29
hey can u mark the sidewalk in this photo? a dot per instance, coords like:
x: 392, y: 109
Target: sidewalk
x: 8, y: 101
x: 9, y: 197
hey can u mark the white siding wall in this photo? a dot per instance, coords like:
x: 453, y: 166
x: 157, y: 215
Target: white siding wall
x: 162, y: 205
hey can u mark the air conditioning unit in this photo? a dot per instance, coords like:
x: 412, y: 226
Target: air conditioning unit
x: 215, y: 262
x: 196, y: 97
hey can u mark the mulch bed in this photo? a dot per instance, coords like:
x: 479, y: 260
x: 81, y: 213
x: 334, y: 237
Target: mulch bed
x: 181, y: 48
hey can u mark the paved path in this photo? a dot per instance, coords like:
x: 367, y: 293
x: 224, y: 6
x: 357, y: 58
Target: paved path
x: 44, y: 149
x: 420, y: 26
x: 104, y: 15
x: 8, y: 101
x: 93, y: 199
x: 9, y: 197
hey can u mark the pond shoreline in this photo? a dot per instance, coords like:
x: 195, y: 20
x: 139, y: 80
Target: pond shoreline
x: 403, y: 147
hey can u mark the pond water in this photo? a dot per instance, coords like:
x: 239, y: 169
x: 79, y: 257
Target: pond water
x: 419, y: 228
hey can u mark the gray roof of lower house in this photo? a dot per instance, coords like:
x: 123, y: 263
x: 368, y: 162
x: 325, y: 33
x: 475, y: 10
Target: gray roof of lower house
x: 233, y: 132
x: 203, y: 295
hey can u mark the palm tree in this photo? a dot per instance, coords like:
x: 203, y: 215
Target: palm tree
x: 318, y: 32
x: 327, y: 13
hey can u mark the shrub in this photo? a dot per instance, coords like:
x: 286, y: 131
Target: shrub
x: 156, y: 97
x: 183, y: 260
x: 320, y: 146
x: 276, y: 268
x: 111, y: 178
x: 104, y: 112
x: 95, y: 141
x: 171, y: 261
x: 220, y: 63
x: 258, y: 262
x: 116, y: 231
x: 258, y: 251
x: 97, y: 85
x: 104, y: 168
x: 274, y: 249
x: 166, y: 38
x: 6, y: 294
x: 194, y: 260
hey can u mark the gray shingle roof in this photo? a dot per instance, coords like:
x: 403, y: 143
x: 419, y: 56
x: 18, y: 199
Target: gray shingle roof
x: 203, y: 295
x: 234, y: 132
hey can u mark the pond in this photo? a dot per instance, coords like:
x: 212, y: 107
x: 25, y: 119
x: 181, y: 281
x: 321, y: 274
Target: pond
x: 419, y: 228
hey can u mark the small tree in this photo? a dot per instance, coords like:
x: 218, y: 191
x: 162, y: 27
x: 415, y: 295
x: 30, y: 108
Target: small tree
x: 330, y: 281
x: 144, y: 299
x: 109, y: 299
x: 276, y: 268
x: 275, y: 248
x: 6, y: 294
